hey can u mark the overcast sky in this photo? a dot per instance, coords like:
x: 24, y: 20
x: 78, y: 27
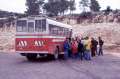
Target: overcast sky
x: 19, y: 5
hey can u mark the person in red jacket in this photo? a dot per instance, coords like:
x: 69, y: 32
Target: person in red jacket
x: 74, y: 47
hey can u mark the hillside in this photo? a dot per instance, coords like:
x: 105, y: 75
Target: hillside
x: 7, y: 39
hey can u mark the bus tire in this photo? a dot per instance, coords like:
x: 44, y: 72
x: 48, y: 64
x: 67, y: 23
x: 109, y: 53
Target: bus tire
x: 23, y: 54
x: 31, y: 57
x: 50, y: 56
x: 56, y: 54
x: 41, y: 55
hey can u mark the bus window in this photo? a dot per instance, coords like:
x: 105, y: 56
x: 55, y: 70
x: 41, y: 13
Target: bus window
x: 65, y: 31
x: 43, y: 25
x: 60, y: 31
x: 30, y: 26
x: 21, y: 26
x: 40, y: 25
x: 53, y: 29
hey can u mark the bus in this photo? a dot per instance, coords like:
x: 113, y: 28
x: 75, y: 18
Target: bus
x: 38, y: 35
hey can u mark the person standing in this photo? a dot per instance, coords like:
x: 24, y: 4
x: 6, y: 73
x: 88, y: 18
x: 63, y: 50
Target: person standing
x: 81, y: 49
x: 66, y: 48
x: 87, y: 48
x: 70, y: 47
x: 92, y: 47
x: 96, y: 49
x: 74, y: 47
x: 100, y: 43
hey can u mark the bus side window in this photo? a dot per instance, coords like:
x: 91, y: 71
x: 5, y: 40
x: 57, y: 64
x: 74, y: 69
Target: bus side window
x: 65, y: 31
x: 56, y: 29
x: 50, y: 28
x: 21, y: 26
x: 53, y: 29
x: 60, y: 31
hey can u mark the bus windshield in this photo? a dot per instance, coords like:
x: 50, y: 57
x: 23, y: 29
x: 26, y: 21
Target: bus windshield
x: 40, y: 25
x: 21, y: 26
x: 31, y: 26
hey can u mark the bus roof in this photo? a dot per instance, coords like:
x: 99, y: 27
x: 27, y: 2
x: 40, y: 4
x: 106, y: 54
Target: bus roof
x: 49, y: 20
x: 53, y: 22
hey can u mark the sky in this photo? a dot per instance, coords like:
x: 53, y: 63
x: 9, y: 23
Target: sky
x: 19, y: 5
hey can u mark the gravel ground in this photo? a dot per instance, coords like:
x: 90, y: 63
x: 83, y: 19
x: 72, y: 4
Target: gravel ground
x: 14, y: 66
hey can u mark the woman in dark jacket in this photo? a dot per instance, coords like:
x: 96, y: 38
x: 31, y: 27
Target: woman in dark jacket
x: 100, y: 43
x: 81, y: 49
x: 93, y: 47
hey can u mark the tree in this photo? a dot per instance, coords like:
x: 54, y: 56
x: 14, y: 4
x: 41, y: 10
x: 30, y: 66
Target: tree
x: 72, y: 6
x: 55, y: 7
x: 52, y: 8
x: 33, y: 6
x: 108, y: 10
x: 64, y: 5
x: 95, y: 7
x: 84, y: 4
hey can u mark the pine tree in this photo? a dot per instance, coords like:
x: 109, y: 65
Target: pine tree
x: 84, y: 4
x: 33, y: 6
x: 72, y: 6
x: 95, y: 7
x: 108, y: 10
x: 52, y: 7
x: 55, y: 7
x: 64, y: 5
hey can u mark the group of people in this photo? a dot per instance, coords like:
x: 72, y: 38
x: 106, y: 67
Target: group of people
x: 84, y: 48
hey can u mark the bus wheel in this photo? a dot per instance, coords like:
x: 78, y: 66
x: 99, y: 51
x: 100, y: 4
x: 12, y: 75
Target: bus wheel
x: 31, y: 56
x: 56, y: 54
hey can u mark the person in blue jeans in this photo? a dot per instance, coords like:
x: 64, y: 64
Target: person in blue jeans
x: 87, y: 45
x: 87, y: 55
x: 66, y: 48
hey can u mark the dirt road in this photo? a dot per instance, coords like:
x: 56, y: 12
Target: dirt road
x: 14, y: 66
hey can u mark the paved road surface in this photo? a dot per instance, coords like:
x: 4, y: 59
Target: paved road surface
x: 14, y: 66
